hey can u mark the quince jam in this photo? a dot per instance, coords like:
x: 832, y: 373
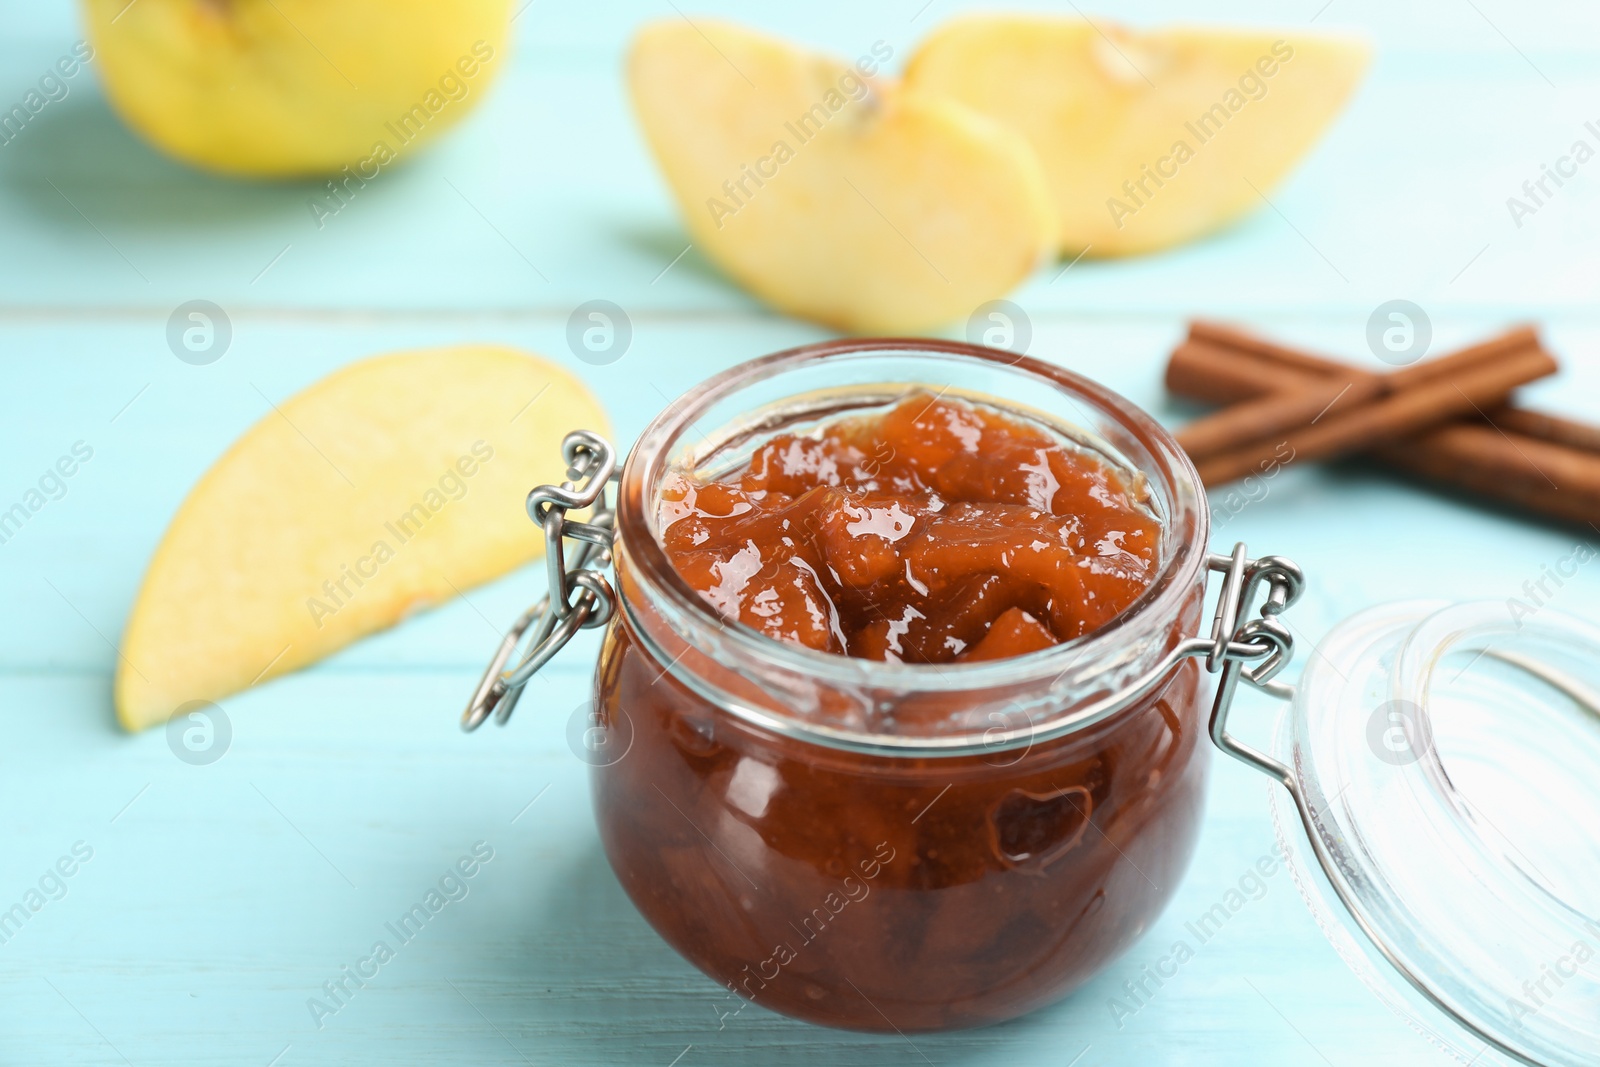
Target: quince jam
x: 865, y: 885
x: 935, y: 532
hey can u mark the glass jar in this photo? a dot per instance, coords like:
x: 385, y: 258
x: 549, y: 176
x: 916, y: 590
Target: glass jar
x: 886, y: 846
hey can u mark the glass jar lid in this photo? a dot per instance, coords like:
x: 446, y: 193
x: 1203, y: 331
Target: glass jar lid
x: 1445, y: 762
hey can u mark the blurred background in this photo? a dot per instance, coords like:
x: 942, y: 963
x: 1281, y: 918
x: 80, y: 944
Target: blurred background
x: 221, y: 897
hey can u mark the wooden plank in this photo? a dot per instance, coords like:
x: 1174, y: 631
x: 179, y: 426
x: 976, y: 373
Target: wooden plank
x: 219, y: 898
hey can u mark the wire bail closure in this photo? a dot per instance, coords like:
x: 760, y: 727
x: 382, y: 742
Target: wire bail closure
x: 579, y: 597
x: 1255, y: 651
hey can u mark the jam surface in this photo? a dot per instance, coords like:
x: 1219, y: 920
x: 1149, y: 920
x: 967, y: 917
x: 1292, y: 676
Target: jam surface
x: 936, y: 531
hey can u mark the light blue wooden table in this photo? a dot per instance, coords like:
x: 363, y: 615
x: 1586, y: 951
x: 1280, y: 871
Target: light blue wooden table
x: 219, y: 898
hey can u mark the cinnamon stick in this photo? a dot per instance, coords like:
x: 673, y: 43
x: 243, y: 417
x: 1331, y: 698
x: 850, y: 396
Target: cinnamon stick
x: 1534, y: 462
x: 1202, y: 368
x: 1538, y: 476
x: 1203, y: 371
x: 1276, y: 413
x: 1492, y: 350
x: 1543, y: 427
x: 1228, y: 339
x: 1402, y: 411
x: 1232, y: 343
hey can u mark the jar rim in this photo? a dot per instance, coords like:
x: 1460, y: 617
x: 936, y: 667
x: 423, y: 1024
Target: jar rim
x: 1178, y: 485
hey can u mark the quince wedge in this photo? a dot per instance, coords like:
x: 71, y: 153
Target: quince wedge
x: 830, y: 193
x: 389, y: 486
x: 289, y: 88
x: 1147, y: 139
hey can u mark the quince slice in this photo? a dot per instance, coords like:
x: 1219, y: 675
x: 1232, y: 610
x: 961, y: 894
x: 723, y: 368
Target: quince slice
x: 1147, y: 139
x: 832, y: 194
x: 389, y: 486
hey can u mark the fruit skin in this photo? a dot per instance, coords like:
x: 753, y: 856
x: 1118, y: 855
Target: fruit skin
x: 235, y: 592
x: 286, y: 88
x: 887, y: 212
x: 1084, y: 104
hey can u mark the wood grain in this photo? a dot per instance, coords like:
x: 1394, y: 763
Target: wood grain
x: 221, y: 897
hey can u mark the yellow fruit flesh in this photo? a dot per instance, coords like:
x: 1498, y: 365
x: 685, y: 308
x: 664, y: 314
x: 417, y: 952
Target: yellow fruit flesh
x: 382, y: 489
x: 833, y: 197
x: 1147, y: 139
x: 295, y: 87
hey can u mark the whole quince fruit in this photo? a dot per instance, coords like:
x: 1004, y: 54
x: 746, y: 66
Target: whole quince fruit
x: 287, y: 88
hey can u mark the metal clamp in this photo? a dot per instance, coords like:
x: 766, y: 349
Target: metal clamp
x: 579, y: 596
x: 1255, y: 651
